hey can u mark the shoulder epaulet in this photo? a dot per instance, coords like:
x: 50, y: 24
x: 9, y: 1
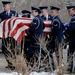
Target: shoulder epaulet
x: 38, y: 22
x: 73, y: 19
x: 37, y: 19
x: 56, y: 22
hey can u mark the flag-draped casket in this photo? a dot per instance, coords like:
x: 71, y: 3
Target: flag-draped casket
x: 16, y: 27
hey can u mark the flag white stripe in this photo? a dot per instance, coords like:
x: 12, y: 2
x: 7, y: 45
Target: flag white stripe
x: 11, y: 23
x: 20, y: 30
x: 6, y: 28
x: 1, y: 25
x: 17, y: 22
x: 47, y: 29
x: 47, y: 22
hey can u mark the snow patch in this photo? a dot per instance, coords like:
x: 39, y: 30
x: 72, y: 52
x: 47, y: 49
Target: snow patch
x: 52, y: 74
x: 40, y: 73
x: 14, y: 73
x: 33, y: 73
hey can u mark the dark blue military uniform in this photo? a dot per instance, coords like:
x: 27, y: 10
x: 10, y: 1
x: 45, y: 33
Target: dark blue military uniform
x: 35, y: 31
x: 7, y: 14
x: 4, y: 15
x: 71, y: 36
x: 36, y: 28
x: 57, y: 32
x: 57, y: 29
x: 26, y: 13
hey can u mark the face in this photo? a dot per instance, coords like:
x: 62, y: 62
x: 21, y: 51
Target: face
x: 70, y: 12
x: 7, y: 7
x: 54, y: 12
x: 34, y: 13
x: 44, y: 12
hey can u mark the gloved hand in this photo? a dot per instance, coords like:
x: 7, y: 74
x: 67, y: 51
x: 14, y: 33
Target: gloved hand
x: 49, y: 37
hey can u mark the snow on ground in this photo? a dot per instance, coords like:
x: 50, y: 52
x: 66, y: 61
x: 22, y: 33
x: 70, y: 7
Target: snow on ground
x: 33, y: 73
x: 8, y: 73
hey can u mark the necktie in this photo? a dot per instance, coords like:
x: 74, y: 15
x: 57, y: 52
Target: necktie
x: 44, y: 18
x: 7, y: 13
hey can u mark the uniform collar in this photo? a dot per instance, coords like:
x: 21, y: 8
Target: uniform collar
x: 73, y: 15
x: 36, y: 15
x: 55, y: 16
x: 8, y: 12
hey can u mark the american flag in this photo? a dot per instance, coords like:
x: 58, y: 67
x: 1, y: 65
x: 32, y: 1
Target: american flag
x: 16, y: 27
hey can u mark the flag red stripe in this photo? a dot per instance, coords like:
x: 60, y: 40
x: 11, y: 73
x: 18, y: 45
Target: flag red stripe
x: 27, y: 24
x: 19, y: 22
x: 9, y: 27
x: 48, y: 25
x: 16, y: 29
x: 47, y: 33
x: 4, y: 28
x: 21, y: 36
x: 21, y: 19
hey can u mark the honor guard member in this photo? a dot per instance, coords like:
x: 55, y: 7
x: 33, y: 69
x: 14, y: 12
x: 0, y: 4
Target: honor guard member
x: 6, y: 14
x: 44, y: 12
x: 35, y: 31
x: 46, y: 16
x: 57, y: 28
x: 26, y: 13
x: 70, y: 33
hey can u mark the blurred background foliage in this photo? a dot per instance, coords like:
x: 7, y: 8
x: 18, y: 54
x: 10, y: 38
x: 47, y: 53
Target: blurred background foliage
x: 20, y: 5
